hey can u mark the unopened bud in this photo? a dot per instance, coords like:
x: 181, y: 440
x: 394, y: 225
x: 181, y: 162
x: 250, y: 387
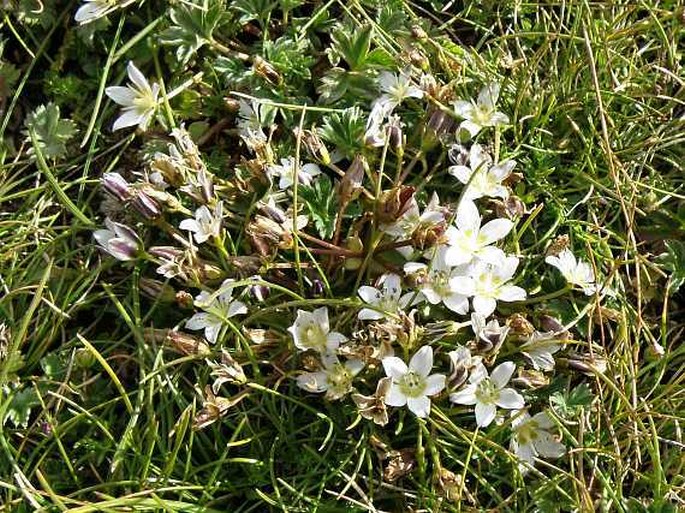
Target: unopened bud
x: 157, y: 290
x: 394, y: 203
x: 351, y: 183
x: 186, y: 344
x: 266, y: 70
x: 147, y: 206
x: 117, y: 186
x: 314, y: 145
x: 395, y: 136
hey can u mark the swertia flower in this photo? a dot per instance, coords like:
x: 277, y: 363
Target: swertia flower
x: 312, y: 330
x: 412, y: 385
x: 217, y: 310
x: 489, y: 392
x: 576, y: 272
x: 335, y: 379
x: 481, y: 113
x: 139, y: 99
x: 531, y: 437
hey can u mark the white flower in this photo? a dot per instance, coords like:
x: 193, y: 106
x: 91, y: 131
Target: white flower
x: 91, y: 10
x: 480, y: 114
x: 251, y: 120
x: 119, y: 240
x: 468, y: 240
x: 312, y: 330
x: 489, y: 283
x: 139, y: 100
x: 335, y: 379
x: 412, y: 385
x: 576, y: 272
x: 387, y: 302
x: 436, y: 285
x: 217, y: 309
x: 305, y: 173
x: 376, y: 134
x: 413, y: 219
x: 489, y: 392
x: 396, y: 87
x: 531, y: 437
x: 491, y: 333
x: 483, y: 179
x: 206, y: 224
x: 539, y: 349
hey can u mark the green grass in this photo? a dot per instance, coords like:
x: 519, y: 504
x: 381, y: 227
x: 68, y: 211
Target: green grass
x: 97, y: 412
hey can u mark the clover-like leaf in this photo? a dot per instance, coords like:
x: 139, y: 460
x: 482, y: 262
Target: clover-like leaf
x: 673, y: 260
x: 192, y: 28
x: 322, y: 206
x: 52, y: 132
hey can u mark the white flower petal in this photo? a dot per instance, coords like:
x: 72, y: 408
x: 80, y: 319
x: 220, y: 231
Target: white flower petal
x: 420, y: 406
x: 369, y: 295
x: 198, y: 321
x: 466, y: 395
x: 484, y: 305
x: 495, y: 230
x: 464, y: 109
x: 502, y: 374
x: 510, y: 399
x: 468, y: 216
x: 462, y: 173
x: 121, y: 95
x: 485, y: 414
x: 395, y: 397
x: 457, y: 303
x: 129, y: 117
x: 316, y: 382
x: 137, y: 77
x: 422, y: 361
x: 435, y: 384
x: 366, y: 314
x: 236, y: 308
x: 547, y: 446
x: 489, y: 95
x: 394, y: 367
x: 511, y: 293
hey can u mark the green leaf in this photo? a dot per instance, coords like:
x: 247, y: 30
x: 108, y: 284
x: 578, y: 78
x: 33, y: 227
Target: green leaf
x: 352, y: 45
x: 345, y: 130
x: 321, y: 204
x: 673, y: 260
x: 570, y: 404
x: 19, y: 409
x: 192, y: 28
x: 52, y: 133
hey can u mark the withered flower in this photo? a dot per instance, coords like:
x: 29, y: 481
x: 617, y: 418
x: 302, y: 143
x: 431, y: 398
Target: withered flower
x: 372, y: 407
x: 213, y: 408
x: 228, y: 371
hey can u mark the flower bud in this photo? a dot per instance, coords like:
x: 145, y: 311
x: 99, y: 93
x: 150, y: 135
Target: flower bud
x: 351, y: 182
x: 266, y: 70
x: 157, y: 290
x: 186, y: 344
x: 395, y: 136
x: 117, y: 186
x: 119, y: 240
x: 184, y: 300
x: 314, y: 145
x: 147, y: 206
x: 417, y: 32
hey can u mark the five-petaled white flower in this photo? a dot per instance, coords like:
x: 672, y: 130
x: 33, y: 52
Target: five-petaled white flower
x: 531, y: 437
x: 489, y: 283
x: 335, y: 379
x: 217, y: 309
x: 206, y: 223
x: 387, y: 302
x: 139, y: 100
x: 489, y: 392
x: 376, y: 133
x: 286, y: 171
x: 436, y: 282
x: 312, y: 330
x: 576, y: 272
x: 412, y: 385
x: 469, y: 240
x: 119, y: 240
x: 483, y: 178
x: 396, y: 87
x: 480, y: 114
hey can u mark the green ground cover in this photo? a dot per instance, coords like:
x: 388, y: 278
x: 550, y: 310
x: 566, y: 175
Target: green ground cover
x: 227, y: 282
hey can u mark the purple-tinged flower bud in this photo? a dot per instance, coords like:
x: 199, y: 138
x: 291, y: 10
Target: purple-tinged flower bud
x: 259, y: 291
x: 147, y: 206
x: 119, y: 240
x: 317, y: 288
x: 155, y: 289
x: 117, y: 186
x: 351, y: 183
x: 395, y: 133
